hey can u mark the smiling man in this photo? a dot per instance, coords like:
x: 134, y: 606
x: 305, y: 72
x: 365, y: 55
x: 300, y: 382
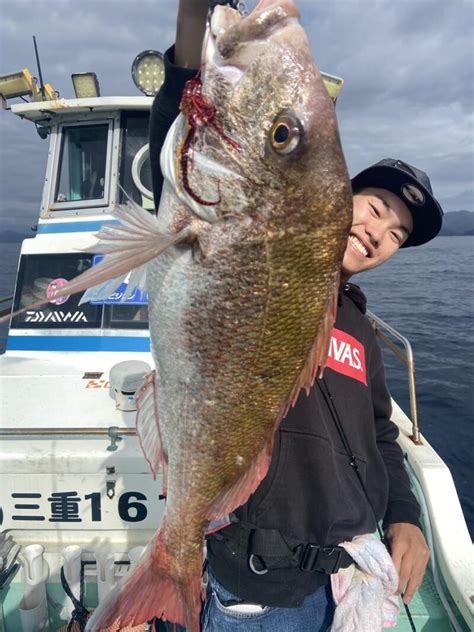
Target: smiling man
x: 336, y: 468
x: 381, y: 224
x: 393, y: 208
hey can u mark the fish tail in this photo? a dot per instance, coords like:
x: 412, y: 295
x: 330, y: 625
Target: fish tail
x: 151, y: 591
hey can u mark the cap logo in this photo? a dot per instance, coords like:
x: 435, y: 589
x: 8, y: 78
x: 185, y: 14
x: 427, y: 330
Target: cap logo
x: 413, y: 194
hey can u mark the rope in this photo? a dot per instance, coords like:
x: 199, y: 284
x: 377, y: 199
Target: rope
x: 410, y: 618
x: 352, y: 462
x: 80, y: 614
x: 345, y: 443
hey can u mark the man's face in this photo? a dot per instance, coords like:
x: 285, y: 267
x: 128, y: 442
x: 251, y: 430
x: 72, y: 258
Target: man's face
x: 380, y: 225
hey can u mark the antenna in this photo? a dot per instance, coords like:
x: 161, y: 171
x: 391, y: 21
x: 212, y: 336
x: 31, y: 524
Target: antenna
x: 39, y: 67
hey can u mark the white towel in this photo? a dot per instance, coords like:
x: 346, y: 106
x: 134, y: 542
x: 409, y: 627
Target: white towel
x: 365, y: 593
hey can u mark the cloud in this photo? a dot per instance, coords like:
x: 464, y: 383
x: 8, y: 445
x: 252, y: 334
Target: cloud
x: 408, y: 70
x: 407, y: 65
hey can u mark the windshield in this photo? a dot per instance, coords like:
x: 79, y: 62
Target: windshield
x: 82, y: 163
x: 37, y: 273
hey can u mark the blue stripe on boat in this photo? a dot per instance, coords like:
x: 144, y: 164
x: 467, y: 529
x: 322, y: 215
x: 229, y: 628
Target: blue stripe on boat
x: 78, y: 343
x: 74, y: 227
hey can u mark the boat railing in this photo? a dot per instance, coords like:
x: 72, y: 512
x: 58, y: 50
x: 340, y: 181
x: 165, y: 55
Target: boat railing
x: 383, y: 331
x: 6, y: 310
x: 113, y: 433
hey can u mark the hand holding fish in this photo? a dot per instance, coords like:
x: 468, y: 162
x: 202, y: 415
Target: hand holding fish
x: 190, y: 29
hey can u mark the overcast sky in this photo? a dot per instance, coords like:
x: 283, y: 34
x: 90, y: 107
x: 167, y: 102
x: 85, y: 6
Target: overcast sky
x: 407, y: 65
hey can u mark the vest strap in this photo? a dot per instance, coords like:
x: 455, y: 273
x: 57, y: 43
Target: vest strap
x: 269, y: 549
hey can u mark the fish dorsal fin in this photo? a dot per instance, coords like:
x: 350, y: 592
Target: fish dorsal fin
x: 147, y: 424
x: 318, y: 354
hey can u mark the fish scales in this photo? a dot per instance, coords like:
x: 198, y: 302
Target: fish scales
x: 247, y: 357
x: 252, y: 226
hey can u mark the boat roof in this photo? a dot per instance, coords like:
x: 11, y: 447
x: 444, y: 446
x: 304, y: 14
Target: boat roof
x: 42, y: 110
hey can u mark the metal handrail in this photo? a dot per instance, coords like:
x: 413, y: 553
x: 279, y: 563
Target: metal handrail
x: 27, y: 432
x: 114, y: 433
x: 407, y: 358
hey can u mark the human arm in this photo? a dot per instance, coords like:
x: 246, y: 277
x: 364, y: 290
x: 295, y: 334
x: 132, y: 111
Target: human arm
x: 181, y: 63
x: 190, y: 28
x: 401, y: 524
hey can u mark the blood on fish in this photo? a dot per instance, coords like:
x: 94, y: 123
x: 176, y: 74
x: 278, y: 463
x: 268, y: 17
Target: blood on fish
x: 200, y: 112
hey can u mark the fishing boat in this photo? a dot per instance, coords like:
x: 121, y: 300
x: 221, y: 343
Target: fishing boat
x: 77, y: 500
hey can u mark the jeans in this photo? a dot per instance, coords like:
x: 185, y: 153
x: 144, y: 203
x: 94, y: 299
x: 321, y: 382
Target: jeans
x: 314, y: 615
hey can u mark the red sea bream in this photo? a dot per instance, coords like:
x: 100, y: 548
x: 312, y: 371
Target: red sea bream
x: 242, y: 269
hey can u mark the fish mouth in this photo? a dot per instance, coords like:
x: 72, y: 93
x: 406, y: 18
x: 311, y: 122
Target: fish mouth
x: 233, y: 40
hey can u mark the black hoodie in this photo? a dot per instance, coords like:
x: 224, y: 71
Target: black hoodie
x: 311, y: 493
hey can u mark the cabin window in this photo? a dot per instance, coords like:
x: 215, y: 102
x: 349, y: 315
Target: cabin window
x: 83, y: 166
x: 38, y: 272
x: 122, y: 310
x: 128, y: 317
x: 135, y: 169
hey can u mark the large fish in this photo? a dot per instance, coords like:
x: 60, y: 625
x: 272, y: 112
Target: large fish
x: 242, y: 270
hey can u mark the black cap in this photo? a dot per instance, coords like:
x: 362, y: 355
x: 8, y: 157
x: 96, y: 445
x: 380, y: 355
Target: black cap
x: 413, y: 187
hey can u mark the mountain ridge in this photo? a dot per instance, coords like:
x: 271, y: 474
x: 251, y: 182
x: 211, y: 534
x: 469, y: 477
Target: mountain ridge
x: 455, y: 224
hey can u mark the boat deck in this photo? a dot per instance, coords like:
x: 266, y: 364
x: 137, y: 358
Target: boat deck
x: 427, y: 611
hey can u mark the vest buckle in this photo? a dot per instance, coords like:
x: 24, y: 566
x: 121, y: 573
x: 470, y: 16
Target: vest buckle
x: 321, y: 559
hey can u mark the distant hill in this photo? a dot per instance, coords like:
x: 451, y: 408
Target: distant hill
x: 455, y: 223
x: 458, y: 223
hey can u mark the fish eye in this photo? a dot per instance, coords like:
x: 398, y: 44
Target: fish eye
x: 285, y: 134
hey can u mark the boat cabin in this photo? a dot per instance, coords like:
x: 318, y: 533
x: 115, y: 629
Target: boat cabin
x: 98, y: 155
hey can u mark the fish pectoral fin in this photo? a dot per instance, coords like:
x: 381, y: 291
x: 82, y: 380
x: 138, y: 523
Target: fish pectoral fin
x: 238, y: 493
x: 318, y: 355
x: 127, y: 247
x: 148, y: 427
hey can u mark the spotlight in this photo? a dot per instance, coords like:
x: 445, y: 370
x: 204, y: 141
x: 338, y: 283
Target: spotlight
x: 148, y: 71
x: 17, y: 84
x: 86, y: 85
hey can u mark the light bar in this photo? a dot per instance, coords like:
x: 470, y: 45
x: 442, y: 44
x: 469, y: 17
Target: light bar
x: 148, y: 71
x: 49, y: 93
x: 18, y: 84
x: 86, y: 85
x: 333, y: 85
